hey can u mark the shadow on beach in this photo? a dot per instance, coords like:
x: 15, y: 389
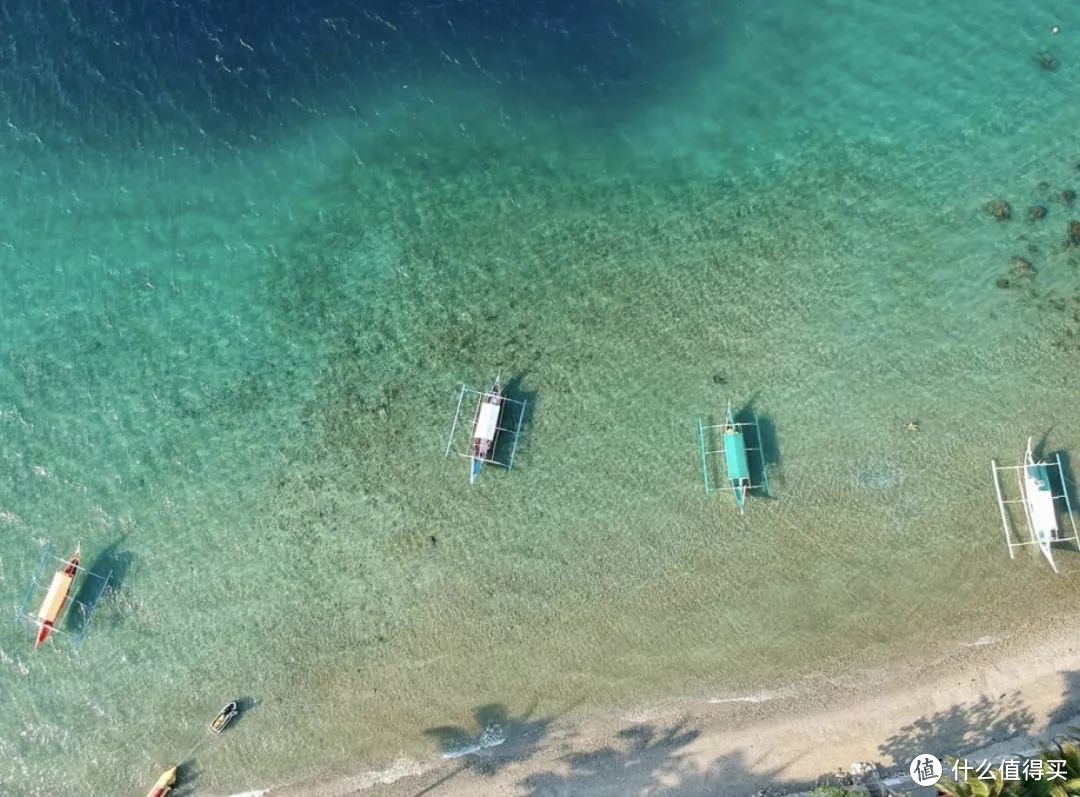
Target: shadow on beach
x: 644, y: 758
x: 647, y: 760
x: 1070, y: 700
x: 497, y: 740
x: 959, y: 729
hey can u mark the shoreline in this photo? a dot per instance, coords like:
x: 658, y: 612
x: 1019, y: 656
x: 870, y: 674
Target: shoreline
x: 977, y: 694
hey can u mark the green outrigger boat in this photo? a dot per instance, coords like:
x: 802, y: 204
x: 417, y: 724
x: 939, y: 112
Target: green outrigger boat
x: 735, y: 455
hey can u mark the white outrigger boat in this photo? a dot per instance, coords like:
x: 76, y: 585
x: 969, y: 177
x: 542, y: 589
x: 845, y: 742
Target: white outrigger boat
x: 488, y: 422
x: 1037, y: 499
x: 485, y: 428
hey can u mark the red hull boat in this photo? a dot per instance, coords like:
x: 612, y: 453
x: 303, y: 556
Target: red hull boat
x: 165, y: 783
x: 53, y: 605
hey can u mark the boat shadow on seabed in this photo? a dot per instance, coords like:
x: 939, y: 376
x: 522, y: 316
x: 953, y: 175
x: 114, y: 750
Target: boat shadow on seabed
x: 770, y: 441
x: 91, y: 590
x: 1067, y: 485
x: 512, y: 390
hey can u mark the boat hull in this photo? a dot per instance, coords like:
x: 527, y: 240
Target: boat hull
x: 1039, y: 504
x: 738, y: 466
x: 224, y: 717
x: 485, y: 429
x: 164, y: 784
x: 44, y: 632
x: 55, y: 597
x: 740, y: 488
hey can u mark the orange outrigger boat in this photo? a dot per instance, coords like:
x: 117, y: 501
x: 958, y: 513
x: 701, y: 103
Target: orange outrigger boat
x: 53, y: 605
x: 164, y: 783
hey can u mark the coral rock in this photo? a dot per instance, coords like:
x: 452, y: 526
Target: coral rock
x: 1020, y: 265
x: 1046, y: 61
x: 999, y: 209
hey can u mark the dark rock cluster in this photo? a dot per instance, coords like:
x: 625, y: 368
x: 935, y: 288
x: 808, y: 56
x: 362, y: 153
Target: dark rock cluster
x: 1074, y: 233
x: 999, y: 209
x: 1021, y: 268
x: 1046, y: 61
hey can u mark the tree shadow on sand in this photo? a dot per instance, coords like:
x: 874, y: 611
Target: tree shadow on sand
x: 959, y: 729
x: 648, y: 760
x: 673, y: 761
x: 1070, y: 701
x: 497, y: 739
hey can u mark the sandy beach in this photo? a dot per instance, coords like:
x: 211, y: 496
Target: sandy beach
x: 1004, y: 694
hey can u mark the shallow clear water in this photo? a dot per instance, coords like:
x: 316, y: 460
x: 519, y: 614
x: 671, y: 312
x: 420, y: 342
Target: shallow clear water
x: 246, y: 264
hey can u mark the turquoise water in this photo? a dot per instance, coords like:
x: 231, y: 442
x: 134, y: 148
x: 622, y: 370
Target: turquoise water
x: 238, y: 297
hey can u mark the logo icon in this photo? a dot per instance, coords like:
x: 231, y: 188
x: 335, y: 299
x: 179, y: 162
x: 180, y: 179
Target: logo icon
x: 925, y: 769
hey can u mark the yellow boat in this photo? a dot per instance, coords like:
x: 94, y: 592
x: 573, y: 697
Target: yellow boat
x: 164, y: 783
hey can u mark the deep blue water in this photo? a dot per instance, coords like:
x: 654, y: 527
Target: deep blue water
x: 116, y: 75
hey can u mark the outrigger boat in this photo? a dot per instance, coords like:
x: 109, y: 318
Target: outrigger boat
x: 488, y: 422
x: 56, y: 598
x: 735, y: 453
x: 165, y: 783
x: 1037, y: 499
x: 224, y: 717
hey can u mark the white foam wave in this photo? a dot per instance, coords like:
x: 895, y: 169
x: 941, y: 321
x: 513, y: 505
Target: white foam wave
x: 758, y: 697
x: 491, y: 737
x: 983, y: 640
x: 401, y: 768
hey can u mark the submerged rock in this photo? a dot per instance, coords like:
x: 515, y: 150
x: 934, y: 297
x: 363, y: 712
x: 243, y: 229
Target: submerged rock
x: 999, y: 209
x: 1038, y: 212
x: 1003, y: 283
x: 1074, y: 233
x: 1067, y: 196
x: 1020, y: 266
x: 1046, y: 61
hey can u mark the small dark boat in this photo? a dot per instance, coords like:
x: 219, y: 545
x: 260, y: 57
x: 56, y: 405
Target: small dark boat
x: 224, y: 717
